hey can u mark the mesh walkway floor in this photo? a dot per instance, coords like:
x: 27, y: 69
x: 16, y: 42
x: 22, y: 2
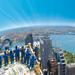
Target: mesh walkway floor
x: 16, y: 69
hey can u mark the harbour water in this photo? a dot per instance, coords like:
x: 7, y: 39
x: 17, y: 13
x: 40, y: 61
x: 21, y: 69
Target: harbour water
x: 65, y: 42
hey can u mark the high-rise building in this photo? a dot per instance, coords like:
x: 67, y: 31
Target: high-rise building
x: 61, y: 62
x: 46, y: 51
x: 29, y: 39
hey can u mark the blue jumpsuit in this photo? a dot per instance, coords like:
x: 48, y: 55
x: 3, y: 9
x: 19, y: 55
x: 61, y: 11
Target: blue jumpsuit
x: 5, y: 59
x: 32, y: 61
x: 17, y: 54
x: 36, y: 50
x: 0, y: 61
x: 22, y: 54
x: 11, y: 57
x: 27, y: 56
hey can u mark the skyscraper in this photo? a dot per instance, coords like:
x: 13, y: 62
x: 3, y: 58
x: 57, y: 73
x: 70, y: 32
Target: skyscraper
x: 61, y: 62
x: 46, y: 51
x: 29, y: 39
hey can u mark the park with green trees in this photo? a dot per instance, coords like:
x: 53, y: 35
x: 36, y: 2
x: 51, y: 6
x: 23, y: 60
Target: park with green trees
x: 69, y: 57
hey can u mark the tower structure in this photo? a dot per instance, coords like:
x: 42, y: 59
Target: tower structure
x: 61, y: 61
x: 29, y: 39
x: 46, y: 51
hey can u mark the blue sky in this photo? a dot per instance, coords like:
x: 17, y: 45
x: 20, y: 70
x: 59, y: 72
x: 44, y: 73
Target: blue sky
x: 19, y: 13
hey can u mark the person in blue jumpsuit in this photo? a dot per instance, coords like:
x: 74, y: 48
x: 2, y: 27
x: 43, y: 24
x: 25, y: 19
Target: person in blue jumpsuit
x: 11, y: 57
x: 17, y: 54
x: 36, y: 50
x: 5, y: 59
x: 0, y: 61
x: 27, y: 56
x: 8, y: 55
x: 32, y: 61
x: 22, y: 54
